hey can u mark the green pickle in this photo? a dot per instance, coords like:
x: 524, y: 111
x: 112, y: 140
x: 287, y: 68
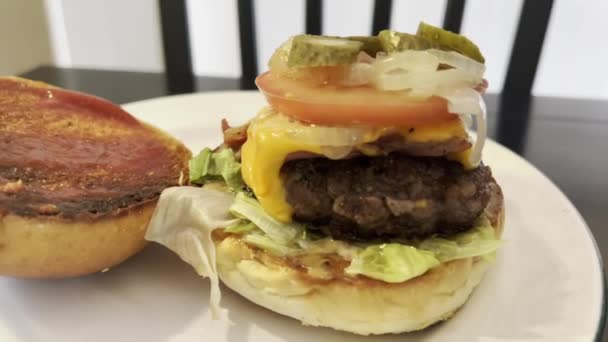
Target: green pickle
x: 449, y: 41
x: 392, y: 41
x: 371, y: 45
x: 305, y: 50
x: 313, y: 51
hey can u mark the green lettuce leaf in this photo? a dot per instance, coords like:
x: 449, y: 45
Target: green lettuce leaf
x: 184, y: 220
x: 268, y: 244
x: 250, y: 209
x: 392, y: 262
x: 186, y: 216
x: 212, y: 166
x: 241, y: 227
x: 481, y: 241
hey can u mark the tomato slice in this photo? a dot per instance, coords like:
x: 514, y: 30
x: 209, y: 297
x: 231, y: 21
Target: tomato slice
x: 334, y: 105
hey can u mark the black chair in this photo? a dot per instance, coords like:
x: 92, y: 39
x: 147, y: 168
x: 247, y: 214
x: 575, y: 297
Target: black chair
x: 178, y: 62
x: 508, y: 112
x: 123, y: 86
x: 519, y: 80
x: 511, y: 107
x: 513, y: 110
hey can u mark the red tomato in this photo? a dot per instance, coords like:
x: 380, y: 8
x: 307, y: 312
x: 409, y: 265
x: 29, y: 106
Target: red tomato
x: 333, y: 105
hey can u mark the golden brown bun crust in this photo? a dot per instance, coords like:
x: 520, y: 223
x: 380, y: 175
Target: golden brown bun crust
x: 47, y: 247
x: 365, y: 306
x: 79, y: 179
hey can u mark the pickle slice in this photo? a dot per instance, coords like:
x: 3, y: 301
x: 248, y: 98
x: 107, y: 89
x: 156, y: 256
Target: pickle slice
x: 392, y: 41
x: 371, y: 45
x: 312, y: 51
x: 447, y: 40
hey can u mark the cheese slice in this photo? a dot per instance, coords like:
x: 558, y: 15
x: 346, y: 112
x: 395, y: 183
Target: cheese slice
x: 270, y: 140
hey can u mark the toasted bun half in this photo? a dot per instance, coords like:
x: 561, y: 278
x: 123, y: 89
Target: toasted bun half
x: 79, y: 180
x: 363, y: 306
x: 48, y: 247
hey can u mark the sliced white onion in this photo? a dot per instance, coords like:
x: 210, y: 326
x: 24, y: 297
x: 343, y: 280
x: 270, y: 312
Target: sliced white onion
x: 458, y: 61
x: 467, y: 101
x: 328, y: 136
x: 312, y: 134
x: 482, y: 132
x: 421, y: 82
x: 363, y: 57
x: 407, y: 61
x: 358, y: 75
x: 456, y: 78
x: 467, y: 120
x: 461, y: 100
x: 336, y: 152
x: 406, y: 70
x: 417, y: 71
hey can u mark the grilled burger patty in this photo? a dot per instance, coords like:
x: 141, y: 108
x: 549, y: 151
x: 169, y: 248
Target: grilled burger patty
x: 394, y: 196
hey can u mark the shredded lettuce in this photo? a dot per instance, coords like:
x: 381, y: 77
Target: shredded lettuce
x: 268, y: 244
x: 212, y: 166
x: 395, y: 262
x: 327, y: 245
x: 392, y: 262
x: 183, y: 221
x: 477, y: 242
x: 185, y: 217
x: 249, y: 208
x: 242, y: 226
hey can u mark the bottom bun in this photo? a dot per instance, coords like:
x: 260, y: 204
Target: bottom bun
x: 363, y: 306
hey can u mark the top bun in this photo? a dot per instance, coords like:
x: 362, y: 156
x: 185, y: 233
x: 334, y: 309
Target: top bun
x: 79, y: 180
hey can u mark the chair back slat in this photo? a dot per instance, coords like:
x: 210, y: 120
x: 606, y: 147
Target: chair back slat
x: 525, y: 54
x: 528, y: 44
x: 381, y: 16
x: 249, y: 60
x: 314, y: 17
x: 176, y: 46
x: 454, y: 11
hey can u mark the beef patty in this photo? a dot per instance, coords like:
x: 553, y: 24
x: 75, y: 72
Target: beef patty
x: 394, y: 196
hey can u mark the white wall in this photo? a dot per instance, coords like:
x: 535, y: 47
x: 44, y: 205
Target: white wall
x: 109, y: 34
x: 574, y: 59
x: 494, y: 34
x: 23, y: 36
x: 214, y: 37
x: 125, y: 35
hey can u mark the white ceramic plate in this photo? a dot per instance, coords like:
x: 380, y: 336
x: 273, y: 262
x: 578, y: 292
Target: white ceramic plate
x: 546, y: 284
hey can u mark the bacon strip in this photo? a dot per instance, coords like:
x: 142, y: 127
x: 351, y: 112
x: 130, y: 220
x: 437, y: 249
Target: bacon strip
x: 234, y: 137
x: 482, y: 87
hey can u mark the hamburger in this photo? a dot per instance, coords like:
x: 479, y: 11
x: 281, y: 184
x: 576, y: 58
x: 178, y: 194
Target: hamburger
x: 357, y: 199
x: 79, y: 180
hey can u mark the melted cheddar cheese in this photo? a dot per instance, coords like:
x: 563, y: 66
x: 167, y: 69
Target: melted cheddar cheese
x: 268, y: 146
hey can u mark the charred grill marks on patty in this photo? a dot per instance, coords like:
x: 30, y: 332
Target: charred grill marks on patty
x: 394, y: 196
